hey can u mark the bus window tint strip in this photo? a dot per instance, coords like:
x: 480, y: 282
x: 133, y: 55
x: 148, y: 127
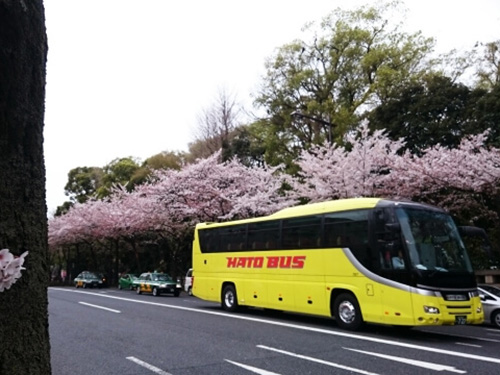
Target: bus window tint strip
x: 343, y: 229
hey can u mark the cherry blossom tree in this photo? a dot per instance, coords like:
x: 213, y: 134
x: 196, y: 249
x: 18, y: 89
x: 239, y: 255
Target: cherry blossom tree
x: 168, y: 207
x: 459, y: 180
x: 471, y: 167
x: 210, y: 190
x: 334, y: 172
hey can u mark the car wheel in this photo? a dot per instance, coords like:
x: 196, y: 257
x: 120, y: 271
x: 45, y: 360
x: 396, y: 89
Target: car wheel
x: 156, y: 292
x: 190, y: 291
x: 177, y: 293
x: 84, y: 286
x: 119, y: 286
x: 131, y: 287
x: 346, y: 312
x: 229, y: 301
x: 138, y: 290
x: 495, y: 318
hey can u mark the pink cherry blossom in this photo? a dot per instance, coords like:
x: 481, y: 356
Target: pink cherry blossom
x: 170, y: 205
x: 211, y: 190
x: 10, y: 268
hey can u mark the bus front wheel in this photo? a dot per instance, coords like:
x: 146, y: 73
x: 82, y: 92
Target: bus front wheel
x: 346, y: 312
x: 229, y: 301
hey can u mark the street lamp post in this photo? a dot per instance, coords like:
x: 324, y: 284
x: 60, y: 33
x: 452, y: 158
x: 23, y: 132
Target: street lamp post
x: 330, y: 125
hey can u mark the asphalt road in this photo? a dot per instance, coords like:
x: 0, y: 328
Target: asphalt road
x: 111, y: 331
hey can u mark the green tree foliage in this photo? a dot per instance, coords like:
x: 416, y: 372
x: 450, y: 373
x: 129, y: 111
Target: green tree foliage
x: 246, y: 145
x: 436, y: 110
x: 489, y: 65
x: 485, y: 111
x: 83, y: 183
x: 354, y: 61
x: 165, y: 160
x: 119, y: 172
x: 64, y: 208
x: 425, y: 113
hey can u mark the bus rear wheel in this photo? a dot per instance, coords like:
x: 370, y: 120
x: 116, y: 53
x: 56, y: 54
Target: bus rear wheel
x: 229, y: 302
x: 346, y: 312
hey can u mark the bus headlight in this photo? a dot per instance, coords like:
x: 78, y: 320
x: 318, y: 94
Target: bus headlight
x: 431, y: 310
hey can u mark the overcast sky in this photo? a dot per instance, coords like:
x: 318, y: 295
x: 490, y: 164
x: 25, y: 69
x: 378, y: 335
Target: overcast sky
x: 129, y: 77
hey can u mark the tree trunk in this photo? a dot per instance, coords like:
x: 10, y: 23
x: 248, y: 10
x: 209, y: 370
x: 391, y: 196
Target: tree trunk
x: 24, y: 336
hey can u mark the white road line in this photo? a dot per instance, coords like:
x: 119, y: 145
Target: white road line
x: 255, y: 370
x: 461, y: 336
x: 298, y: 327
x: 413, y: 362
x: 311, y: 359
x: 495, y: 331
x: 467, y: 344
x: 146, y: 365
x: 100, y: 307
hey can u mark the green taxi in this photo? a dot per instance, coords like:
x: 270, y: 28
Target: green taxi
x: 126, y: 281
x: 156, y: 283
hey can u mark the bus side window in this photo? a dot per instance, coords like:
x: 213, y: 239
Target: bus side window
x: 270, y: 245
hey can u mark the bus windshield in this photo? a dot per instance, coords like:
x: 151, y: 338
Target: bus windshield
x: 432, y: 241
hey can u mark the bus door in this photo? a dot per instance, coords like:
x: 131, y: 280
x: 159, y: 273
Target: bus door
x: 392, y: 264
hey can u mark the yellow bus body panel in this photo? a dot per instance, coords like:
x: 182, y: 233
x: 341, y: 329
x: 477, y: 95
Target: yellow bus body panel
x: 324, y: 272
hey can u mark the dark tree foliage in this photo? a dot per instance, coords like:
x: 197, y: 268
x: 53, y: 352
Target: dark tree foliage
x: 245, y: 146
x: 435, y: 110
x: 83, y: 183
x: 119, y: 171
x: 24, y: 336
x: 485, y: 112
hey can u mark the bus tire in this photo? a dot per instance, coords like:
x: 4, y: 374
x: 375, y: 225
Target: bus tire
x: 347, y: 312
x: 229, y: 301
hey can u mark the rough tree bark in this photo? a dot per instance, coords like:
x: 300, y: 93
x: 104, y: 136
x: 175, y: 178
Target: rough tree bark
x: 24, y: 336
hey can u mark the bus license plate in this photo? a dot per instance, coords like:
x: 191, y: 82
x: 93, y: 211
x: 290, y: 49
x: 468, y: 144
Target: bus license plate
x: 460, y: 320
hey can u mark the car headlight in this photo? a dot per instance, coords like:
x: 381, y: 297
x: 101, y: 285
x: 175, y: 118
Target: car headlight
x: 431, y: 310
x: 163, y: 285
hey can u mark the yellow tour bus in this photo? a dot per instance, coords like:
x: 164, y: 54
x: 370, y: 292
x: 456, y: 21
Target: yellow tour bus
x: 357, y: 260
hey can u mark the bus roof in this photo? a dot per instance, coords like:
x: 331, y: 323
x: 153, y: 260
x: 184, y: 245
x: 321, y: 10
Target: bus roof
x: 309, y: 209
x: 327, y: 206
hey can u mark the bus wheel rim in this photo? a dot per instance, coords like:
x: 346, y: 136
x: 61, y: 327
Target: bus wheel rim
x: 229, y: 299
x: 347, y: 312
